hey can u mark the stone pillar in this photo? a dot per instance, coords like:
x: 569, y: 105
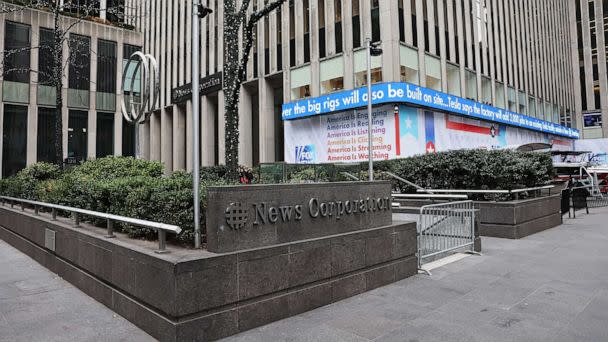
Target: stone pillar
x: 92, y: 124
x: 32, y: 121
x: 245, y: 128
x: 179, y: 138
x: 166, y: 139
x: 221, y: 128
x: 155, y: 132
x: 266, y: 122
x: 103, y: 6
x: 207, y: 132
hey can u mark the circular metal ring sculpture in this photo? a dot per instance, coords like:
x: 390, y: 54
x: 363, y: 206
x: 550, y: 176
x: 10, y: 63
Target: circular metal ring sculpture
x: 150, y: 91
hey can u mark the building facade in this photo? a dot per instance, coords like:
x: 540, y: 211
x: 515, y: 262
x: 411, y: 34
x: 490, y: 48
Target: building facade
x: 590, y: 31
x: 92, y: 123
x: 503, y: 66
x: 512, y: 56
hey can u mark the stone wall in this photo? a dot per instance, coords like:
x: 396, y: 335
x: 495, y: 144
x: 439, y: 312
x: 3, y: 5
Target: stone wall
x: 198, y: 295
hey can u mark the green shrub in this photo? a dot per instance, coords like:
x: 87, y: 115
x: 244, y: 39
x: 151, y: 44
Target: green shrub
x: 472, y: 169
x: 121, y: 186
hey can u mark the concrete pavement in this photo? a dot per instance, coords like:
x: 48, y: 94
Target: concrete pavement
x: 37, y: 305
x: 551, y: 286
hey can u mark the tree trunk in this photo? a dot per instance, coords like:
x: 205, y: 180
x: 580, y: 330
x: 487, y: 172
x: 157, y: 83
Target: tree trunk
x: 231, y: 86
x: 58, y: 83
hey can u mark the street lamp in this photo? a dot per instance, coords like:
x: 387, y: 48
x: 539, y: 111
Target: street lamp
x: 198, y: 12
x: 373, y: 49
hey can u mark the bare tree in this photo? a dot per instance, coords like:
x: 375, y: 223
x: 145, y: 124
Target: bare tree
x: 235, y: 20
x: 67, y: 15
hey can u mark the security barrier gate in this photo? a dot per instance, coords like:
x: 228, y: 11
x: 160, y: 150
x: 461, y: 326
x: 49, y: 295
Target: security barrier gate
x: 445, y: 227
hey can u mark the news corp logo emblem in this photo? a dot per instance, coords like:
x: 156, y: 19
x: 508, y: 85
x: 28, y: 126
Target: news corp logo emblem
x: 305, y: 154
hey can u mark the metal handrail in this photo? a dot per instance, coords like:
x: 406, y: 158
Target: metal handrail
x: 350, y: 175
x: 418, y: 187
x: 429, y: 196
x: 160, y: 228
x: 470, y: 191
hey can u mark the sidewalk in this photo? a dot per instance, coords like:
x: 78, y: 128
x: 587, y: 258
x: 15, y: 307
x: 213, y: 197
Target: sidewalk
x: 37, y: 305
x: 552, y: 286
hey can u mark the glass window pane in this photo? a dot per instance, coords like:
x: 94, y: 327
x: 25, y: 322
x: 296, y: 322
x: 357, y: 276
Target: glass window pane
x: 80, y: 62
x: 106, y: 66
x: 105, y: 135
x: 46, y: 135
x: 16, y: 66
x: 77, y: 135
x: 453, y: 73
x: 14, y: 139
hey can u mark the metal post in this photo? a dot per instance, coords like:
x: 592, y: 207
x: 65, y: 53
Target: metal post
x: 370, y: 144
x: 76, y: 219
x: 162, y: 244
x: 196, y: 124
x: 54, y: 214
x: 110, y: 226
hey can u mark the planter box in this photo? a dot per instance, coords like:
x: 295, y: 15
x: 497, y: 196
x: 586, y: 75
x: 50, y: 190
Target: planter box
x: 518, y: 219
x: 512, y: 219
x: 198, y: 295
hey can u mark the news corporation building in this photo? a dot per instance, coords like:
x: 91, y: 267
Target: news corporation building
x: 453, y: 74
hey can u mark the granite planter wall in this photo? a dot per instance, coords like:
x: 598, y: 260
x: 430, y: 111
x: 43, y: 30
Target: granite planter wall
x: 198, y: 295
x: 518, y: 219
x: 511, y: 219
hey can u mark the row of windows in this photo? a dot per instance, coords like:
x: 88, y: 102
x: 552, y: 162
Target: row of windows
x: 15, y: 136
x: 17, y: 59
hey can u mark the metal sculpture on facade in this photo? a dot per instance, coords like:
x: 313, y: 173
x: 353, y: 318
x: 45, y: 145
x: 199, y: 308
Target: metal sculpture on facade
x: 139, y: 112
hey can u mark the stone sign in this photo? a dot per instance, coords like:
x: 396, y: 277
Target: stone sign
x: 245, y: 217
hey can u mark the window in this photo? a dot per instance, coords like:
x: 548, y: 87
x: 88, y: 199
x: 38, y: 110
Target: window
x: 360, y: 68
x: 128, y: 51
x: 532, y: 107
x: 77, y: 135
x: 105, y: 135
x: 512, y: 96
x: 306, y: 31
x: 80, y: 62
x: 523, y: 108
x: 16, y: 53
x: 592, y: 120
x: 500, y: 94
x: 46, y: 134
x: 409, y: 65
x: 486, y: 90
x: 300, y: 83
x: 106, y: 66
x: 128, y: 138
x: 45, y: 57
x: 14, y: 140
x: 356, y: 25
x: 338, y: 25
x: 375, y: 21
x: 453, y: 73
x: 471, y: 81
x: 322, y: 49
x: 433, y: 72
x: 332, y: 75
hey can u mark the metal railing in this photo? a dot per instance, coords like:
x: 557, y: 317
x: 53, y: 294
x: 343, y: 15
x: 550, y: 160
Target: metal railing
x: 160, y: 228
x: 444, y: 228
x: 537, y: 191
x: 430, y: 196
x: 403, y: 180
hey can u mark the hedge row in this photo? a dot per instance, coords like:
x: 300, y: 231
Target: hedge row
x: 472, y: 169
x: 117, y: 185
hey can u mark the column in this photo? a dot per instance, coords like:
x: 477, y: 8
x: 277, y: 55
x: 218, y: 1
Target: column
x: 179, y: 138
x: 245, y: 129
x: 266, y: 122
x: 207, y: 131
